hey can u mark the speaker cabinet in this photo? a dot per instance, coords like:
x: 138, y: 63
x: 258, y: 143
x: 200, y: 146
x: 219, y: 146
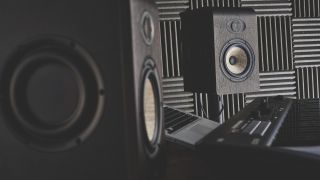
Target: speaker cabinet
x: 220, y: 50
x: 80, y: 90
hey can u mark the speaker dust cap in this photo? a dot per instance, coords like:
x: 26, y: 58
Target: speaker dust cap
x: 54, y: 93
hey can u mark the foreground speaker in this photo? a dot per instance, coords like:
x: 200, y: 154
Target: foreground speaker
x: 220, y: 50
x: 80, y: 90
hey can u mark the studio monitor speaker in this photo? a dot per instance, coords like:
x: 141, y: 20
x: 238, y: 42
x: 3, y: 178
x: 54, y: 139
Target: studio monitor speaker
x: 80, y: 90
x: 220, y: 50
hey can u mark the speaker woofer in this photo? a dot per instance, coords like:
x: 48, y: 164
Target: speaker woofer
x: 55, y: 93
x: 237, y: 60
x: 151, y: 108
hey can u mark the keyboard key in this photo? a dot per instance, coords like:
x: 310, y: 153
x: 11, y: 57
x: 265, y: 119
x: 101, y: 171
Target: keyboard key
x: 181, y: 124
x: 237, y: 125
x: 251, y: 127
x: 262, y: 128
x: 175, y: 120
x: 245, y: 124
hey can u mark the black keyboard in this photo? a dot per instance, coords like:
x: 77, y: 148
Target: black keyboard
x: 257, y: 124
x: 175, y: 119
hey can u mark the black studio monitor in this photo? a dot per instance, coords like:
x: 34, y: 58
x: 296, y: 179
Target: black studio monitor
x: 80, y: 90
x: 220, y: 50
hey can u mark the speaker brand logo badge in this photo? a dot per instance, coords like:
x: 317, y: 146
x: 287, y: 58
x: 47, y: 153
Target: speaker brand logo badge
x: 147, y: 28
x: 236, y: 26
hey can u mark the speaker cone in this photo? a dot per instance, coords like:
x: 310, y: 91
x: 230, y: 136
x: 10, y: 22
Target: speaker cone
x: 54, y: 95
x: 237, y: 60
x: 151, y: 111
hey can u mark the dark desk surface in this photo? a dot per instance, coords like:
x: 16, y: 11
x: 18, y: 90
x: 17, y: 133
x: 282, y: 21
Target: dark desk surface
x: 233, y: 162
x: 182, y: 164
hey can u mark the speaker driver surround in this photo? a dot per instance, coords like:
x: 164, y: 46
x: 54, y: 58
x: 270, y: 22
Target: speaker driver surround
x: 237, y: 60
x: 151, y: 111
x: 55, y: 93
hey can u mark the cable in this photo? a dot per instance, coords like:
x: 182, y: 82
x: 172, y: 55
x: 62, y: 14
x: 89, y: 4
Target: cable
x: 202, y: 109
x: 220, y: 111
x: 222, y: 106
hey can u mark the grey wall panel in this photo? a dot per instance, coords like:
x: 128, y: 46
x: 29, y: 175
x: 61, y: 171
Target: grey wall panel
x: 202, y: 104
x: 275, y: 43
x: 306, y: 8
x: 306, y: 38
x: 306, y: 47
x: 275, y: 83
x: 170, y: 9
x: 173, y: 89
x: 174, y: 95
x: 308, y: 82
x: 232, y: 104
x: 171, y: 48
x: 269, y: 7
x: 195, y: 4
